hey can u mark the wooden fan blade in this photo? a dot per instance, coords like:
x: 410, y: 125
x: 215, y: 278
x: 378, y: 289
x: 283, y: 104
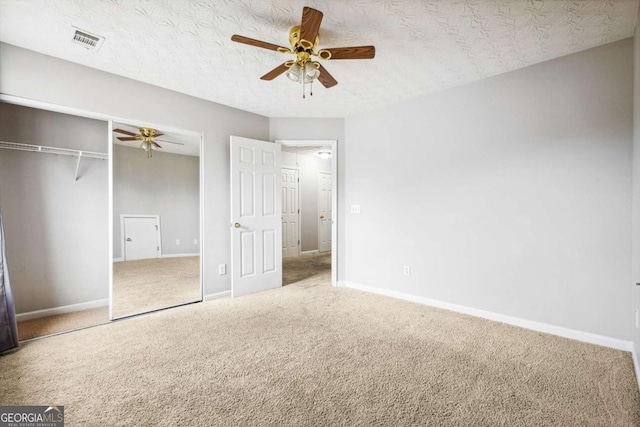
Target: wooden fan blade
x: 354, y: 52
x: 157, y: 134
x: 275, y: 72
x: 256, y: 43
x: 156, y: 144
x: 325, y: 78
x: 127, y: 138
x: 170, y: 142
x: 126, y: 132
x: 311, y: 20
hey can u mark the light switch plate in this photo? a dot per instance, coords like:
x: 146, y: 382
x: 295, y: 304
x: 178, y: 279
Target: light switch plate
x: 177, y: 241
x: 355, y: 209
x: 222, y: 269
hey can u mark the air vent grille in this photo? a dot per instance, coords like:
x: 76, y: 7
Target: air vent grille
x: 86, y: 39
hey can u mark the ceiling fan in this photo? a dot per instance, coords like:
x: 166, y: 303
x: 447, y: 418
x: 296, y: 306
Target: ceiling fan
x: 147, y: 136
x: 304, y: 40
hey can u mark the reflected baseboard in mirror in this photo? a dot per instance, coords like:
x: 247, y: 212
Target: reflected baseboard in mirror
x: 156, y: 218
x: 147, y: 285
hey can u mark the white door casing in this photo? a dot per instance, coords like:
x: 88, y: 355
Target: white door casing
x: 256, y: 227
x: 325, y: 214
x: 140, y: 237
x: 290, y: 213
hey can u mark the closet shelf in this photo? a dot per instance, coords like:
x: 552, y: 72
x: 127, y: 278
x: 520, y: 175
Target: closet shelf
x: 55, y: 150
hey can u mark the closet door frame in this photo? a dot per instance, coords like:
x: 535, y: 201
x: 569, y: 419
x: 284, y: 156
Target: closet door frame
x: 109, y: 119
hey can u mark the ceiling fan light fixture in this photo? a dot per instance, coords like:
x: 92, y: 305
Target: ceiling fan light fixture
x: 304, y: 40
x: 294, y: 73
x: 311, y: 72
x: 144, y: 146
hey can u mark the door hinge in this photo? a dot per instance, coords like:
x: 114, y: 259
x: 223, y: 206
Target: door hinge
x: 158, y: 248
x: 298, y: 241
x: 298, y: 210
x: 156, y: 227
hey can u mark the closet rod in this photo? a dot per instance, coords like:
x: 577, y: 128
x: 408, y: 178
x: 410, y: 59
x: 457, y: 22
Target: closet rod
x: 55, y: 150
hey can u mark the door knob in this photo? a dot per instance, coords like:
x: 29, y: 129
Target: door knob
x: 236, y: 225
x: 321, y: 216
x: 128, y: 239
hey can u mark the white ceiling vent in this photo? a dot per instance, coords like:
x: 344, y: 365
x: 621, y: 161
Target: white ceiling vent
x: 86, y: 39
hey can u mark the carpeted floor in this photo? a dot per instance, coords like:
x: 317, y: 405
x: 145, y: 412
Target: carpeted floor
x: 151, y: 284
x: 310, y: 354
x: 299, y: 268
x: 139, y: 286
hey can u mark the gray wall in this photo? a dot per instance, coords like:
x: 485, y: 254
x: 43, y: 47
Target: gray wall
x: 166, y: 185
x: 320, y: 129
x: 32, y: 75
x: 636, y: 191
x: 511, y: 194
x: 309, y: 166
x: 56, y: 229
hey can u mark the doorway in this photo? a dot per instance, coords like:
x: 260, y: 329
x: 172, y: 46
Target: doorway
x: 315, y: 161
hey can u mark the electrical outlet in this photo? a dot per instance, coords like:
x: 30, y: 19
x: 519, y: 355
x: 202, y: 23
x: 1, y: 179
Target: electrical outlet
x: 222, y: 269
x: 355, y: 209
x: 178, y: 242
x: 406, y: 270
x: 195, y: 241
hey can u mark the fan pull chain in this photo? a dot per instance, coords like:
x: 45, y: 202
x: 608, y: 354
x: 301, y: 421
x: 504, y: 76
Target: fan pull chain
x: 303, y: 96
x: 311, y: 88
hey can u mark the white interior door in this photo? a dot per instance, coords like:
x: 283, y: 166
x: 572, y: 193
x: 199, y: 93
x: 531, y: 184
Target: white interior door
x: 256, y: 234
x: 290, y: 213
x: 141, y: 237
x: 325, y: 213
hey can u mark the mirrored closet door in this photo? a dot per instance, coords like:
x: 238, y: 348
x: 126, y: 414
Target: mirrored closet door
x: 156, y: 214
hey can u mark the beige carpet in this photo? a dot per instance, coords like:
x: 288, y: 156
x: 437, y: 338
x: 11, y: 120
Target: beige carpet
x: 299, y: 268
x: 152, y: 284
x: 311, y: 355
x: 34, y: 328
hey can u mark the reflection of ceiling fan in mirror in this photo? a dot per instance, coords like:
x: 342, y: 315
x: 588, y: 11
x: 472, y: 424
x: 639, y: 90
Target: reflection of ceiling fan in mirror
x: 148, y: 138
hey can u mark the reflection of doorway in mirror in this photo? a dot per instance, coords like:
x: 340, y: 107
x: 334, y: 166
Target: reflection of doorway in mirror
x: 141, y: 236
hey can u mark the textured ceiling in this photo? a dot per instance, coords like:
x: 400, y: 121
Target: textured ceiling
x: 421, y: 46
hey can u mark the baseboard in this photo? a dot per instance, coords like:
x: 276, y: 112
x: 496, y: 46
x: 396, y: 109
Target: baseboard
x: 218, y: 295
x: 636, y: 365
x: 313, y: 252
x: 178, y: 255
x: 163, y: 256
x: 61, y: 310
x: 516, y: 321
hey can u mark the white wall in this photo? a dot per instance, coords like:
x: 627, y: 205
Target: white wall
x: 308, y: 168
x: 167, y: 185
x: 319, y: 129
x: 511, y: 194
x: 57, y: 239
x: 636, y: 192
x: 32, y: 75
